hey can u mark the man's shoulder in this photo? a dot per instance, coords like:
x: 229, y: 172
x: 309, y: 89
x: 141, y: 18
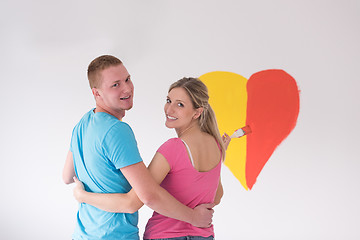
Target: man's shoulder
x: 121, y: 126
x: 107, y: 121
x: 103, y: 125
x: 118, y: 130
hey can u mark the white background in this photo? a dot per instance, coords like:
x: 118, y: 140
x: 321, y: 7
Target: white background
x: 309, y: 189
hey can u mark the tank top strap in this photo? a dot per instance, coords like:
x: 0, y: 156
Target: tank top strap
x: 187, y: 147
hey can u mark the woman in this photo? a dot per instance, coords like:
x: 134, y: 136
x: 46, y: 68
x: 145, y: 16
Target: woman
x: 188, y: 166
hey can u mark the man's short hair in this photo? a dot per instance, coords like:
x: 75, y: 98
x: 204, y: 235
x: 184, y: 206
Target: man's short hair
x: 97, y: 65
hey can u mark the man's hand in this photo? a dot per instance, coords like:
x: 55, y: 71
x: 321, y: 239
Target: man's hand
x: 203, y: 214
x: 78, y: 190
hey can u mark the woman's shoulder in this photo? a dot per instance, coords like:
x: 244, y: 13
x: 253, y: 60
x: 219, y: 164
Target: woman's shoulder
x: 172, y: 142
x: 171, y: 145
x: 171, y: 148
x: 202, y: 139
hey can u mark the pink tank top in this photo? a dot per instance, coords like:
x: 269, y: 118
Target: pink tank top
x: 188, y: 186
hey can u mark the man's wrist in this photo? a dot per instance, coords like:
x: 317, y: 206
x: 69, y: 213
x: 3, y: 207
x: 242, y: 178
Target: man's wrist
x: 192, y: 217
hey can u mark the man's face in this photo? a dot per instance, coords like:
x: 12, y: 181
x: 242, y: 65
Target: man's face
x: 116, y: 89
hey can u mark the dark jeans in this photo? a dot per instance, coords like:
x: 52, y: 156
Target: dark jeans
x: 185, y: 238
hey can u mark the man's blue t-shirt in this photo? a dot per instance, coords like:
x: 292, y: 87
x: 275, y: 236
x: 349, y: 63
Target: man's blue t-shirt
x: 101, y: 145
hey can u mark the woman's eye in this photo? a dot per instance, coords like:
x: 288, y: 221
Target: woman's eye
x: 168, y: 101
x: 115, y: 85
x: 180, y: 105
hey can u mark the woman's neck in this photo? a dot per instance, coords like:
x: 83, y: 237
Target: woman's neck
x: 191, y: 129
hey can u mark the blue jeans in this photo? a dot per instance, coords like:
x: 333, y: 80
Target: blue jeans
x: 185, y: 238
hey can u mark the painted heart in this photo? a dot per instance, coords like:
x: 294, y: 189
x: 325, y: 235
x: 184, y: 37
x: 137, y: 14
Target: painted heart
x: 268, y: 103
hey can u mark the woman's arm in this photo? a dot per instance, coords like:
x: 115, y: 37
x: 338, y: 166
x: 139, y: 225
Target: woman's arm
x: 226, y: 139
x: 219, y: 193
x: 110, y: 202
x: 159, y: 167
x: 145, y: 183
x: 68, y: 171
x: 121, y: 202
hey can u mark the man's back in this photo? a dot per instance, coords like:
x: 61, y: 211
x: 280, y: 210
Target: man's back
x: 101, y: 145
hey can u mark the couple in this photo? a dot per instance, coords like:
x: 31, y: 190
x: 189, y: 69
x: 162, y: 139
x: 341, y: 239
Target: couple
x: 181, y: 184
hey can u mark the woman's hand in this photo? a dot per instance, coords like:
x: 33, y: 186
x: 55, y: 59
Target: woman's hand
x: 226, y: 139
x: 78, y: 190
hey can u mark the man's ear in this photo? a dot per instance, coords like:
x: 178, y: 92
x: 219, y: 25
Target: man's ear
x: 95, y: 92
x: 198, y: 112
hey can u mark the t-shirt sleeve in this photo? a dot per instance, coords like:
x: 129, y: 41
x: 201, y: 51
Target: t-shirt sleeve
x: 120, y: 146
x: 170, y: 150
x: 72, y: 138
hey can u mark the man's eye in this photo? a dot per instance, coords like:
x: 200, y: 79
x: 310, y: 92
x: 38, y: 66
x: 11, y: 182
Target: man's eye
x: 115, y: 85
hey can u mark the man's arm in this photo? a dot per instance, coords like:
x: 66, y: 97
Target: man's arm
x: 68, y: 171
x: 121, y: 202
x: 147, y: 185
x: 158, y: 199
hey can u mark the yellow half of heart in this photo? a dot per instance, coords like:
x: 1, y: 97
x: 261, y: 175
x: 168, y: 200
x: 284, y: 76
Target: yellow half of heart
x: 228, y: 98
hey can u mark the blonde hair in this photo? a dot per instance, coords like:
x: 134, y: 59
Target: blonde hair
x: 199, y: 96
x: 97, y: 65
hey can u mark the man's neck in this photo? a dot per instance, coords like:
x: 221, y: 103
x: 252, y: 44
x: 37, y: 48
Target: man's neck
x: 118, y: 115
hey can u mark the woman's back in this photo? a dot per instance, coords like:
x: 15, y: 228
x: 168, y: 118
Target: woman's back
x: 191, y: 185
x: 204, y: 150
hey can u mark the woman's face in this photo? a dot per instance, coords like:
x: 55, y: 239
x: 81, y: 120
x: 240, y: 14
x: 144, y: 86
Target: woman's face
x: 179, y: 110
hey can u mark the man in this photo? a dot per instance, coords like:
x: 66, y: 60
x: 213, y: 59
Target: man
x: 104, y: 156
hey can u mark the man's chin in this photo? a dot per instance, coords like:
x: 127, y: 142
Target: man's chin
x: 127, y: 109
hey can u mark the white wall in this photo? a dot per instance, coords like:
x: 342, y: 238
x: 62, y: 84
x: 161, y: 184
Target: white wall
x: 309, y: 188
